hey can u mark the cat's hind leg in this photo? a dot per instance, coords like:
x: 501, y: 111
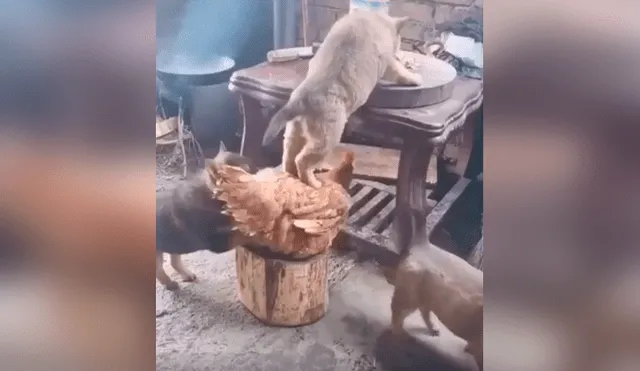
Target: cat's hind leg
x: 398, y: 73
x: 322, y: 135
x: 293, y: 142
x: 311, y: 155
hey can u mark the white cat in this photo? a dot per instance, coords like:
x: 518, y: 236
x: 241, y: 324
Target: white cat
x: 359, y: 50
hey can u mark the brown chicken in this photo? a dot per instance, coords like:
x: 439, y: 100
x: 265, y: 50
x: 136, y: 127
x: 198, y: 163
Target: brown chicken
x: 277, y: 210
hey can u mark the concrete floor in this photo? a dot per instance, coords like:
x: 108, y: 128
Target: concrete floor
x: 204, y: 327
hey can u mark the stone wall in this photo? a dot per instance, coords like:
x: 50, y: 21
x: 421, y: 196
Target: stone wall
x: 429, y: 17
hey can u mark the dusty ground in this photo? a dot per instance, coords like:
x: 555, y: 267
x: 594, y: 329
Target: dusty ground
x: 167, y: 171
x: 204, y: 327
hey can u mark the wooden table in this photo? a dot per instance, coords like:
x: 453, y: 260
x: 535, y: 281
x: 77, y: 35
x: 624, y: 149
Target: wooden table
x: 417, y: 132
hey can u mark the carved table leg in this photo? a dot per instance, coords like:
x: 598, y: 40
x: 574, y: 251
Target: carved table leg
x: 412, y: 171
x: 254, y: 123
x: 474, y: 165
x: 448, y: 172
x: 447, y: 177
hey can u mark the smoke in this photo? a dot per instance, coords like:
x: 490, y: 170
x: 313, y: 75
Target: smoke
x: 213, y: 28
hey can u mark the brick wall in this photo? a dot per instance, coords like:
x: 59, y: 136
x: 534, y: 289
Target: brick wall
x: 429, y: 17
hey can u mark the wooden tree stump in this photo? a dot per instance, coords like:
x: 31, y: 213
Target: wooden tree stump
x: 282, y: 292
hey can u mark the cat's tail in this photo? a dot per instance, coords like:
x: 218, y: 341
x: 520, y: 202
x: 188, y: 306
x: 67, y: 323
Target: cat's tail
x: 288, y: 112
x: 410, y: 229
x: 409, y: 232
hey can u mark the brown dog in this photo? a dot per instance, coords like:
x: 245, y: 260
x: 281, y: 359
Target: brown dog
x: 430, y: 279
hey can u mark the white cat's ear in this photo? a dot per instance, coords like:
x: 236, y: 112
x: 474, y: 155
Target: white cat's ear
x: 401, y: 22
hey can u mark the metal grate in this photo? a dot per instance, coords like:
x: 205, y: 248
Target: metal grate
x: 477, y: 255
x: 370, y: 217
x: 371, y: 207
x: 460, y: 229
x: 456, y: 220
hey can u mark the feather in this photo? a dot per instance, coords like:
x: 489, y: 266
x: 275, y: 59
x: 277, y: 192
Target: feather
x: 280, y: 211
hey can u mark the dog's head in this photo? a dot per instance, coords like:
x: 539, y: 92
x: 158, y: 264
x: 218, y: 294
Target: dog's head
x: 201, y: 187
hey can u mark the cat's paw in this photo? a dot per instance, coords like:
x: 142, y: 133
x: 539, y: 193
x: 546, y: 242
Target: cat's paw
x: 415, y: 79
x: 189, y: 277
x: 290, y: 167
x: 433, y: 332
x: 315, y: 183
x: 172, y: 286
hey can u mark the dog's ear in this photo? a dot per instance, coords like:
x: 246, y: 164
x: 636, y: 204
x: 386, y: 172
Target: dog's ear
x: 222, y: 148
x: 219, y: 157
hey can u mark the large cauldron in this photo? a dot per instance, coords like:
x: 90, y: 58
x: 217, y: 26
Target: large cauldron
x: 182, y: 70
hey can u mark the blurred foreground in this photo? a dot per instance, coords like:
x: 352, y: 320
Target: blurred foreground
x: 76, y: 192
x: 562, y: 97
x: 77, y: 247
